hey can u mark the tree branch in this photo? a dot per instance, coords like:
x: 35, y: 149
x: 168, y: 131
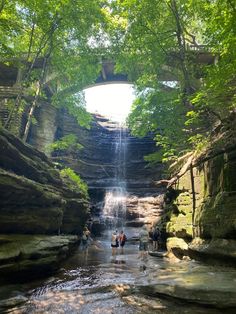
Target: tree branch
x: 182, y: 171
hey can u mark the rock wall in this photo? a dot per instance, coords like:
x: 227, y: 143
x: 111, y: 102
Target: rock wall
x: 97, y: 162
x: 204, y: 227
x: 33, y: 255
x: 36, y: 204
x: 34, y: 198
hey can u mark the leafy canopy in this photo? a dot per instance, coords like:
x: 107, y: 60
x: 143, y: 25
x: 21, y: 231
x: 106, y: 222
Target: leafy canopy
x: 168, y: 50
x: 180, y: 54
x: 59, y: 31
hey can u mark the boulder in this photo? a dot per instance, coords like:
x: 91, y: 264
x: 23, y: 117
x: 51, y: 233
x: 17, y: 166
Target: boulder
x: 177, y: 246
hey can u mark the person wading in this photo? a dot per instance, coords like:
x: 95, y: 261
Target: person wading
x: 85, y: 241
x: 122, y: 240
x: 143, y: 242
x: 114, y: 243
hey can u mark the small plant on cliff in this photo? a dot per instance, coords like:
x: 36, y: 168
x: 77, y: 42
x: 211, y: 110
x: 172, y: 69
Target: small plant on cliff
x: 74, y: 180
x: 67, y: 144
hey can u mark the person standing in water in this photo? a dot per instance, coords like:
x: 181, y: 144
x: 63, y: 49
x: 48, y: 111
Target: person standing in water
x: 122, y: 240
x: 143, y: 242
x: 85, y: 241
x: 155, y: 239
x: 114, y: 243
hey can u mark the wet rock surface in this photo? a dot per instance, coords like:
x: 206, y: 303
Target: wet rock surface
x: 221, y: 250
x: 143, y: 210
x: 22, y: 255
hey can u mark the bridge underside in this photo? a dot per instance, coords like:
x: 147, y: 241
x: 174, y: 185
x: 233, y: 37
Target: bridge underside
x: 11, y: 74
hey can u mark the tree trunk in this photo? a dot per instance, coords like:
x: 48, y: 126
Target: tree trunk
x: 31, y: 112
x: 34, y: 104
x: 47, y: 37
x: 187, y: 88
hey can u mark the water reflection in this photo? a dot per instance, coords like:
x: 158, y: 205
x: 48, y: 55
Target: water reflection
x: 118, y: 261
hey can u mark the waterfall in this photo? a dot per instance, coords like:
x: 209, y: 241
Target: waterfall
x: 114, y: 210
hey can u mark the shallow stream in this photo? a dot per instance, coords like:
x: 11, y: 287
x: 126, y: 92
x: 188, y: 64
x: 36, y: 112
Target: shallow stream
x: 100, y: 283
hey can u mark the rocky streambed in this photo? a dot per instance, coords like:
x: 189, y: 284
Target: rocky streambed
x: 100, y: 283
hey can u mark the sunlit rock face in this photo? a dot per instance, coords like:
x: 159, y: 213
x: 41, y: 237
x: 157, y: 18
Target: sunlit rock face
x: 144, y: 210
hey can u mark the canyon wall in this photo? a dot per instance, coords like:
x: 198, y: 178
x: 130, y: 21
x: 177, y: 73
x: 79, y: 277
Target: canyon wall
x: 35, y: 199
x: 200, y: 220
x: 97, y: 164
x: 37, y: 208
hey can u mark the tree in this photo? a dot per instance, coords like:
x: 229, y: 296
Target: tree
x: 161, y: 46
x: 55, y: 34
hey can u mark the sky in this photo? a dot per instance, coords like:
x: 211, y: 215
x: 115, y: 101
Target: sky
x: 111, y: 100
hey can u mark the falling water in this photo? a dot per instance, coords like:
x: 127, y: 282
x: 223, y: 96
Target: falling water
x: 114, y: 210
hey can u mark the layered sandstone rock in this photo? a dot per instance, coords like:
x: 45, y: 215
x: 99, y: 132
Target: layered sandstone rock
x: 99, y: 165
x: 34, y: 199
x: 29, y: 253
x: 204, y: 227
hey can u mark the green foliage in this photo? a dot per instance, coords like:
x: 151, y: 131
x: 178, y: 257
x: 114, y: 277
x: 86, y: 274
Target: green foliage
x: 161, y: 114
x: 166, y: 39
x: 67, y: 143
x: 218, y: 93
x: 199, y: 142
x: 75, y: 105
x: 154, y: 158
x: 61, y: 31
x: 75, y: 182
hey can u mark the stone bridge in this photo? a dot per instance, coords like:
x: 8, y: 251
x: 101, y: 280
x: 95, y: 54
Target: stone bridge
x: 11, y: 75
